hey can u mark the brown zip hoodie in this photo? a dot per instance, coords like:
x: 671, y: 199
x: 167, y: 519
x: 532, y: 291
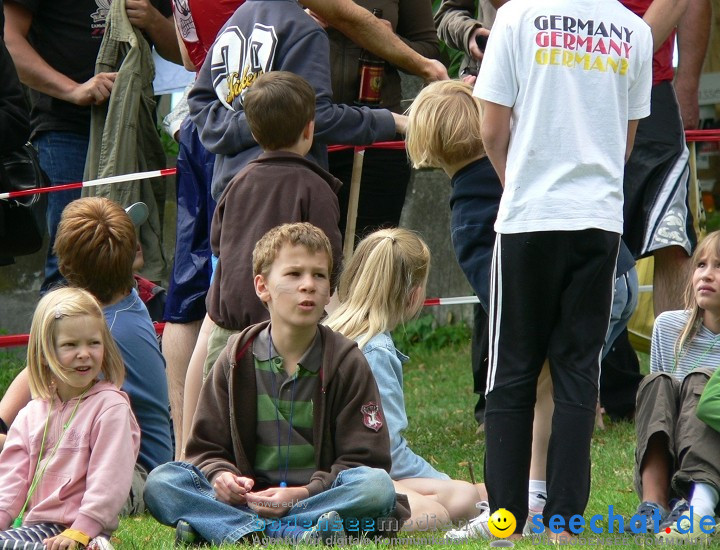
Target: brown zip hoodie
x: 348, y: 425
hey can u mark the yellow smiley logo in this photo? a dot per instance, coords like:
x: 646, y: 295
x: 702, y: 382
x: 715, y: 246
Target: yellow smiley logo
x: 501, y: 523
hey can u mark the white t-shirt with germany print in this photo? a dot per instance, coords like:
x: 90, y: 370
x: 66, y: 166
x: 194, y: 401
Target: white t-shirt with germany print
x: 574, y: 72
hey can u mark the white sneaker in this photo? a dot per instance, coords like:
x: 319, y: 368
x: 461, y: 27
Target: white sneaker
x: 528, y: 530
x: 476, y: 527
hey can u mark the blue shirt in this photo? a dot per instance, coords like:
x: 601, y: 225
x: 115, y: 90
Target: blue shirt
x: 145, y: 380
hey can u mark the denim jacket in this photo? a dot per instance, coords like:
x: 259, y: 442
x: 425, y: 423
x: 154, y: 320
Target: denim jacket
x: 386, y: 364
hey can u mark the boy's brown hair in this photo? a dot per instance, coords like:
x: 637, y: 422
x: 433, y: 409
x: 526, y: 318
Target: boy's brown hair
x: 295, y: 234
x: 95, y: 246
x: 278, y: 106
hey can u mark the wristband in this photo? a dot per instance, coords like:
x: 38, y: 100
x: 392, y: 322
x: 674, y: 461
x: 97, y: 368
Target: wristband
x: 77, y: 536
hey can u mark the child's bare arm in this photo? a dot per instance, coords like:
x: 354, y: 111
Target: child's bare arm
x: 496, y: 135
x: 15, y: 398
x: 60, y: 542
x: 400, y: 123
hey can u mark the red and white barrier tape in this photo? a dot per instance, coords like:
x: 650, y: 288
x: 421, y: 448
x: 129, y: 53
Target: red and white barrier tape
x: 690, y: 136
x: 457, y: 300
x: 91, y: 183
x: 14, y: 340
x: 124, y: 178
x: 702, y: 135
x: 396, y: 145
x: 17, y: 340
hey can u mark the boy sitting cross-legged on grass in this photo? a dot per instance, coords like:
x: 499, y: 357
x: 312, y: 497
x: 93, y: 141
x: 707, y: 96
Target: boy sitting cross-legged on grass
x: 288, y: 437
x: 280, y: 186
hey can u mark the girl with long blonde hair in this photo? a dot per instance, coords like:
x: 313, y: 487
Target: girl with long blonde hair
x: 383, y: 286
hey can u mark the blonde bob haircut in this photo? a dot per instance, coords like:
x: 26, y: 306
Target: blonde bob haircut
x: 444, y: 125
x: 42, y: 359
x: 377, y: 286
x: 709, y: 246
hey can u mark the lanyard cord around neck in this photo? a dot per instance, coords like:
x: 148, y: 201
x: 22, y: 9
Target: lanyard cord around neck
x: 699, y: 359
x: 283, y: 483
x: 38, y: 475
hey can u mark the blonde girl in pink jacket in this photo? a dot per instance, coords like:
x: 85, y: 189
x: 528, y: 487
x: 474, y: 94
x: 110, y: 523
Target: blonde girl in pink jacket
x: 67, y: 464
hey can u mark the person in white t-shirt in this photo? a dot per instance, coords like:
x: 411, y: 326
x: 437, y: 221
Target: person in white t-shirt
x: 563, y: 84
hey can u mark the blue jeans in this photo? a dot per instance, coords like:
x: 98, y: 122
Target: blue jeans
x: 179, y: 491
x: 62, y: 156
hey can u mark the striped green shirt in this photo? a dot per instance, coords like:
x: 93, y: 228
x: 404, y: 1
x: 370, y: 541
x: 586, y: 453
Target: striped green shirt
x: 284, y: 449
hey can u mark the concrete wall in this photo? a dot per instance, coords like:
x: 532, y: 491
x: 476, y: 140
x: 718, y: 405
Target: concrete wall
x: 427, y: 212
x: 19, y: 286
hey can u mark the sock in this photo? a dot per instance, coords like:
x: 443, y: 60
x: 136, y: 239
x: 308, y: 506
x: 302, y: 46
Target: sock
x: 537, y: 494
x: 704, y: 499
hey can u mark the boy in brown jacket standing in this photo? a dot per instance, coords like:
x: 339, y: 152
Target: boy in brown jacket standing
x: 280, y: 186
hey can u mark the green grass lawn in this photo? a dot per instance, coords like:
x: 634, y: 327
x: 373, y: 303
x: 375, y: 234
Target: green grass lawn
x: 439, y: 400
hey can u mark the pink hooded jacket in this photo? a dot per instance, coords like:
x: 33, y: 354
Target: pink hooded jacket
x: 88, y: 480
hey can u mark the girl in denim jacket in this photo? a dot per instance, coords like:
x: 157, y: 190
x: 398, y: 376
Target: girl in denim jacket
x: 382, y: 286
